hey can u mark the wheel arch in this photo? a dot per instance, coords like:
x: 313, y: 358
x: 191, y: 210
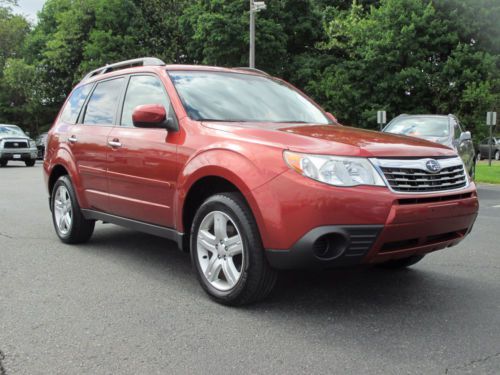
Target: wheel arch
x: 209, y: 179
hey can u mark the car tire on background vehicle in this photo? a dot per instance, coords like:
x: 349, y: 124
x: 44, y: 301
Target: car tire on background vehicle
x: 3, y: 163
x: 497, y: 155
x: 401, y: 263
x: 70, y: 224
x: 30, y: 163
x: 478, y: 156
x: 227, y: 252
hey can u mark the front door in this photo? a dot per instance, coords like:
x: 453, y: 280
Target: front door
x: 142, y: 168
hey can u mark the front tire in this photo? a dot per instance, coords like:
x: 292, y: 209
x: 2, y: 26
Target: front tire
x: 497, y: 155
x: 401, y: 263
x: 70, y: 224
x: 227, y: 252
x: 30, y: 163
x: 3, y: 163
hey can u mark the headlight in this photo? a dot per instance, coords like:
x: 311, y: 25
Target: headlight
x: 32, y: 144
x: 334, y: 170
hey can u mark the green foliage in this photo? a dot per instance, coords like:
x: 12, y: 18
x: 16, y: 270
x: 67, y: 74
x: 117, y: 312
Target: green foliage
x: 353, y: 57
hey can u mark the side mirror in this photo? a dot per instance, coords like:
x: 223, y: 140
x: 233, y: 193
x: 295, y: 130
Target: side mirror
x: 465, y: 136
x: 152, y: 116
x: 331, y: 117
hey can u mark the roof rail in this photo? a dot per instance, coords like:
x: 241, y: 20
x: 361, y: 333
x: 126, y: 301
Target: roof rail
x: 251, y: 70
x: 143, y: 61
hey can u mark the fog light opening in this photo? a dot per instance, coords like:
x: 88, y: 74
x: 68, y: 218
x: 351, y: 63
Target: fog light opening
x: 330, y: 246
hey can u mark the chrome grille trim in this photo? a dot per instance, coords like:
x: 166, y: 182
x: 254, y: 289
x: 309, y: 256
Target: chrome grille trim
x: 411, y: 176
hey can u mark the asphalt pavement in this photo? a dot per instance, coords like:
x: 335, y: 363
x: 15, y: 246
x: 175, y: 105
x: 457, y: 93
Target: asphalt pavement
x: 129, y: 303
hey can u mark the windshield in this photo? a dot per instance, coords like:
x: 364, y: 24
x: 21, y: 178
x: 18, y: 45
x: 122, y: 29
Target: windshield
x: 11, y: 130
x: 220, y: 96
x: 420, y: 126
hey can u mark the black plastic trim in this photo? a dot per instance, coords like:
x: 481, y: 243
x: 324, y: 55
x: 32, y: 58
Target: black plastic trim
x: 359, y: 241
x: 140, y: 226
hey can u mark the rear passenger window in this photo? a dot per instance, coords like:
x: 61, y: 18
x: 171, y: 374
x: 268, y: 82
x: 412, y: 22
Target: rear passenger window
x: 143, y: 90
x: 74, y: 104
x: 101, y: 107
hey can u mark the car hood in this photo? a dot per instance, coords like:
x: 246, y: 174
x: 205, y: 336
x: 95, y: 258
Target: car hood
x: 14, y: 137
x: 334, y: 139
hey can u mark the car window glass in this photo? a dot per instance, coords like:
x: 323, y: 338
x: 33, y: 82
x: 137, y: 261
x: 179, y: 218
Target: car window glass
x: 143, y: 90
x: 420, y: 126
x: 101, y: 107
x: 74, y: 104
x: 235, y: 97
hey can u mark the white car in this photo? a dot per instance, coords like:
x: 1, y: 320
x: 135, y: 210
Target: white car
x: 16, y: 145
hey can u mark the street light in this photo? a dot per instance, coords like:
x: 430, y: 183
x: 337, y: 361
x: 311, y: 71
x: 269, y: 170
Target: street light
x: 255, y: 6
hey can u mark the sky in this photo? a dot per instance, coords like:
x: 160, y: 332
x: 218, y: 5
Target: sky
x: 29, y: 8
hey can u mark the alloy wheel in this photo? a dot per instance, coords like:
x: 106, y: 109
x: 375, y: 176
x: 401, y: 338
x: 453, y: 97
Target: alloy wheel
x: 63, y: 210
x: 220, y: 250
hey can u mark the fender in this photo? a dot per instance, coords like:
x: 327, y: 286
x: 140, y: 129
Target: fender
x: 65, y: 159
x: 226, y: 164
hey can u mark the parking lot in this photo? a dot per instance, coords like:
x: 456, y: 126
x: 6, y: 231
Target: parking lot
x: 129, y: 303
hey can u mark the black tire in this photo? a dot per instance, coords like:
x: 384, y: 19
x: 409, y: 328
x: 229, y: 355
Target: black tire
x: 80, y: 229
x: 401, y: 263
x: 3, y: 163
x: 30, y: 163
x: 257, y: 277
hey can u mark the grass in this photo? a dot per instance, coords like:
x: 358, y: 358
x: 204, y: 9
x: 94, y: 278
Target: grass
x: 485, y: 173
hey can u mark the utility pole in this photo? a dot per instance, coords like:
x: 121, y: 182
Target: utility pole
x: 491, y: 121
x: 255, y: 6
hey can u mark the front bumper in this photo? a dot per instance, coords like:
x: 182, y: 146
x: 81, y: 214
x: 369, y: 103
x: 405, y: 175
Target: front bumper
x: 308, y: 224
x: 21, y: 154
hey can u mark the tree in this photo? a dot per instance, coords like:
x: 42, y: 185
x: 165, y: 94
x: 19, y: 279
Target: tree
x: 405, y: 57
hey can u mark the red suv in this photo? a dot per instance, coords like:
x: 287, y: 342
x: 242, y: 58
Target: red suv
x: 247, y: 173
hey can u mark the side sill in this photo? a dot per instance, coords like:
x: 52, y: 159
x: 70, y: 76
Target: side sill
x: 156, y: 230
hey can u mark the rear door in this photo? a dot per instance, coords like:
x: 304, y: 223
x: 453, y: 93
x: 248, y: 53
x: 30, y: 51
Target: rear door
x: 142, y: 162
x: 88, y: 140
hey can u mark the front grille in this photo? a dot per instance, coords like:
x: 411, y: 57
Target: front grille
x: 413, y: 176
x: 16, y: 144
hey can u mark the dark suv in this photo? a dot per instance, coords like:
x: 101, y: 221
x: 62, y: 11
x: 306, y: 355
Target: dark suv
x: 248, y: 174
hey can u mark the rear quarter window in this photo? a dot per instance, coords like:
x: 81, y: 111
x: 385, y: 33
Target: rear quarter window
x: 74, y: 104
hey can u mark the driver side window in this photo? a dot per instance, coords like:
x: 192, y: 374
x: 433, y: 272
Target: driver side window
x: 143, y: 90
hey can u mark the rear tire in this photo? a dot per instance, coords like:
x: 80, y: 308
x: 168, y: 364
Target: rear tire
x: 70, y: 224
x: 225, y: 240
x: 401, y: 263
x: 30, y: 163
x: 3, y: 163
x: 497, y: 155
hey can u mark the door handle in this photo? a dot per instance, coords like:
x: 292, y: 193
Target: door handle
x: 115, y: 143
x: 72, y: 139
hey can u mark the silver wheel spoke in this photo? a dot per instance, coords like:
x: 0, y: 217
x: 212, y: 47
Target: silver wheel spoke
x: 230, y: 271
x: 207, y: 240
x: 220, y: 226
x: 234, y: 246
x: 213, y: 269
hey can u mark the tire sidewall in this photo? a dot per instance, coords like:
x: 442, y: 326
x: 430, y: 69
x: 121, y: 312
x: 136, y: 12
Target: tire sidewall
x: 210, y: 205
